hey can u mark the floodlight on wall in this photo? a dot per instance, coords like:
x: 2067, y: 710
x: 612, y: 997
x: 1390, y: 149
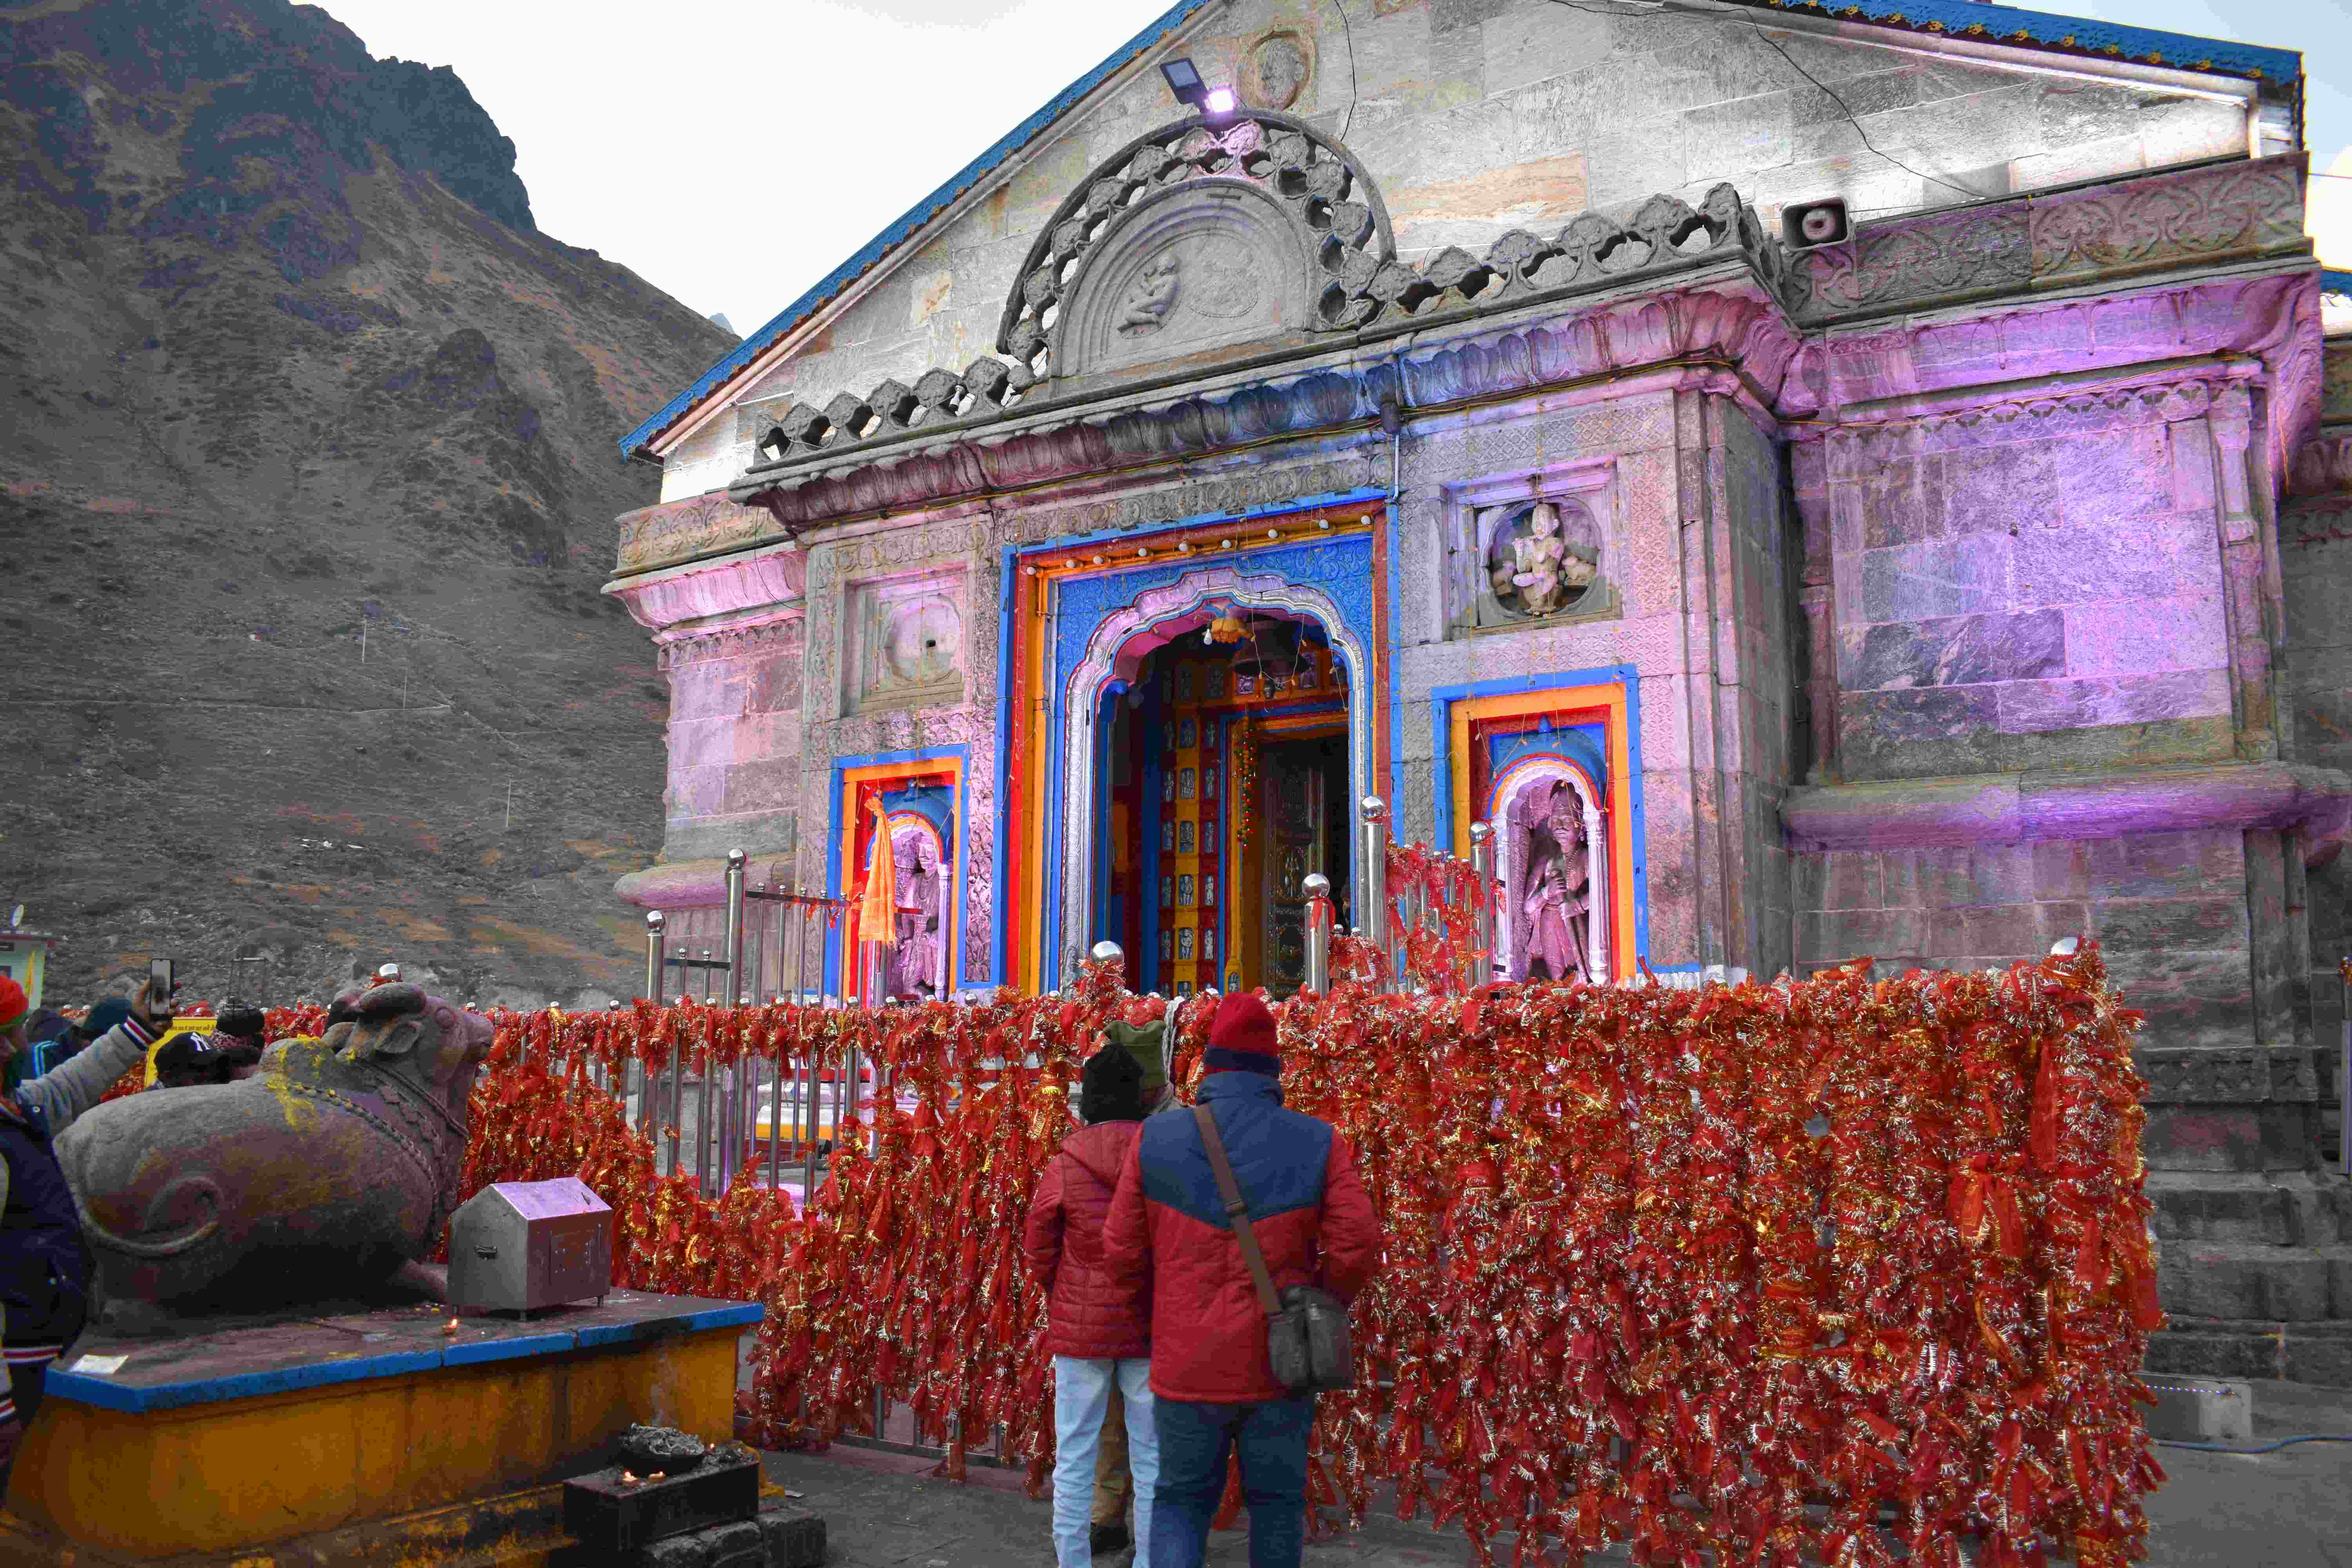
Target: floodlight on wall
x: 1184, y: 81
x: 1807, y: 225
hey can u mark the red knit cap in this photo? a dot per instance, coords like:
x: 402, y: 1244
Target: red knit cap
x: 1242, y: 1038
x: 13, y: 1006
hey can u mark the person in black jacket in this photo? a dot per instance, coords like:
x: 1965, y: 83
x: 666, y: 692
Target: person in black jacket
x: 45, y: 1265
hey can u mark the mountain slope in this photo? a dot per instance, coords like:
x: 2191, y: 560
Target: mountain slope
x: 307, y: 493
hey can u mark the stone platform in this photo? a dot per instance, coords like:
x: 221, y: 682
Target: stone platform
x: 356, y: 1437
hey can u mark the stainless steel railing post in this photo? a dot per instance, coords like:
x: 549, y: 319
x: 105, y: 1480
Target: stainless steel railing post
x: 1371, y: 876
x: 1482, y: 902
x: 1318, y: 888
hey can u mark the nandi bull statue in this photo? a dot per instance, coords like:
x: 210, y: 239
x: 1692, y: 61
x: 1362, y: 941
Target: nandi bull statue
x: 332, y: 1171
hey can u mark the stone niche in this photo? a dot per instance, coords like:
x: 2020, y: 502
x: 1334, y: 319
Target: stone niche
x: 906, y: 644
x: 1534, y: 550
x: 1207, y: 266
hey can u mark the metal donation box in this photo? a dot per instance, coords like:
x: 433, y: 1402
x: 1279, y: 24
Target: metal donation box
x: 522, y: 1246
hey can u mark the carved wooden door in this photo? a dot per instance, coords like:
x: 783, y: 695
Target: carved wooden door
x: 1292, y: 788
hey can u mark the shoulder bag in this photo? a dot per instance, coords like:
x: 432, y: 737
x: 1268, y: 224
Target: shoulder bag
x: 1305, y: 1328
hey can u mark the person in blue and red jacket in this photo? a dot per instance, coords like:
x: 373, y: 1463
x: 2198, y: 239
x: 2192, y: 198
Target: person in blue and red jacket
x: 1168, y: 1242
x: 44, y: 1262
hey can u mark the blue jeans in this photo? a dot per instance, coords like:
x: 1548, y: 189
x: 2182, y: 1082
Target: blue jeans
x: 1194, y: 1442
x: 1081, y: 1395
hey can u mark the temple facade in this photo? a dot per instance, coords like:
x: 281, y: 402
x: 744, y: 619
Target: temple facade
x: 1496, y: 411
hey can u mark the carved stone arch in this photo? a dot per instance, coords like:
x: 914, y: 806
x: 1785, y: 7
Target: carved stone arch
x: 1315, y: 182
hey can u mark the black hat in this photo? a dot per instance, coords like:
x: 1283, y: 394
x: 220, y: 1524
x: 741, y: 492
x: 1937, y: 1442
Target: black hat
x: 187, y: 1058
x: 1111, y: 1089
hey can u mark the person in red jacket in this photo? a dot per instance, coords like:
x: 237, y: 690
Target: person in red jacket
x: 1213, y: 1385
x: 1093, y: 1332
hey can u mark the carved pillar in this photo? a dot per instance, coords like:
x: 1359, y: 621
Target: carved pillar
x: 1809, y: 473
x: 2251, y: 626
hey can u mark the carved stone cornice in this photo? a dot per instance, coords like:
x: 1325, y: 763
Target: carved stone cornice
x: 930, y: 423
x: 687, y: 527
x: 1728, y: 321
x: 744, y: 589
x: 2193, y: 1075
x: 745, y: 642
x: 2236, y: 210
x: 2025, y: 809
x: 1872, y: 440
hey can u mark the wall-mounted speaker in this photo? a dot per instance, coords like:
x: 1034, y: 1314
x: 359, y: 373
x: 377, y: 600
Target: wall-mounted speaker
x: 1807, y: 226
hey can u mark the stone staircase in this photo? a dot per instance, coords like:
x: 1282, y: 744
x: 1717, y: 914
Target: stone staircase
x: 2254, y: 1228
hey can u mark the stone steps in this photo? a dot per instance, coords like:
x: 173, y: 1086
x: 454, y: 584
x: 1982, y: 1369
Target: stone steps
x: 2283, y: 1208
x: 2237, y: 1279
x: 2251, y: 1347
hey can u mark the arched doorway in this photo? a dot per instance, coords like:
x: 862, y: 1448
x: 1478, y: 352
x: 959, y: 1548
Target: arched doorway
x: 1109, y: 887
x: 1224, y: 783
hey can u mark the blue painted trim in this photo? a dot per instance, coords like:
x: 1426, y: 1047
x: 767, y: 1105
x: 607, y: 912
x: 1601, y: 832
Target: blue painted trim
x: 508, y: 1350
x: 1396, y: 684
x: 113, y: 1393
x: 1440, y: 707
x: 837, y: 888
x: 2334, y: 282
x: 1063, y: 542
x: 1148, y: 718
x: 1009, y: 601
x: 2073, y: 35
x: 906, y: 227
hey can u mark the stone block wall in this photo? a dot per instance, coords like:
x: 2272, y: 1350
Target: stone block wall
x: 2010, y: 597
x: 1476, y: 117
x: 734, y: 744
x: 2169, y: 909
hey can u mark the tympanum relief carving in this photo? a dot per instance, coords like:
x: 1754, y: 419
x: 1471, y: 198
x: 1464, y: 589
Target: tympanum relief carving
x: 1214, y: 265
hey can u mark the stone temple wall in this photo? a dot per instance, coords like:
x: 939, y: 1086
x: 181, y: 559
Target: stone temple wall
x: 1477, y: 116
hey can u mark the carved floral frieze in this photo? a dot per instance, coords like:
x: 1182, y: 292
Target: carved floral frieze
x: 2223, y: 212
x: 692, y: 526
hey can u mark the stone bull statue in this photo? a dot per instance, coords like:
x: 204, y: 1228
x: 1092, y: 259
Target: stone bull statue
x: 332, y: 1171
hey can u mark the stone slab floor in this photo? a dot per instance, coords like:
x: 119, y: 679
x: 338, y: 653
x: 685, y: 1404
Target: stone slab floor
x: 2288, y: 1510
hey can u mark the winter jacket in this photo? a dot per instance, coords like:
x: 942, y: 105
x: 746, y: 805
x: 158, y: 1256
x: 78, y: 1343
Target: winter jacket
x: 43, y: 1263
x: 1169, y: 1243
x: 1086, y: 1315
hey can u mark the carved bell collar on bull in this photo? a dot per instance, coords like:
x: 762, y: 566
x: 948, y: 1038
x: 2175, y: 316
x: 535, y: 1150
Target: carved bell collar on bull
x: 330, y: 1172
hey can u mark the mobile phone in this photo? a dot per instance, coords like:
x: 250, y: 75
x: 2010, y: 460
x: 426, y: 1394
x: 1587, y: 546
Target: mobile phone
x: 159, y: 981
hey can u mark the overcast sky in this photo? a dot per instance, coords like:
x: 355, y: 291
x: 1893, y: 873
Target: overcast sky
x: 734, y: 151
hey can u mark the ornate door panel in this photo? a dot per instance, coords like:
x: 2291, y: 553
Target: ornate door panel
x: 1291, y: 793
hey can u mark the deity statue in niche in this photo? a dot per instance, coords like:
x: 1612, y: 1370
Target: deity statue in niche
x: 1168, y: 784
x: 1183, y: 683
x: 1209, y: 783
x: 1188, y: 734
x: 1185, y: 840
x: 1217, y: 684
x: 1167, y: 944
x: 1208, y: 890
x: 1167, y: 892
x: 1544, y: 560
x: 1168, y: 734
x: 1208, y: 945
x: 1184, y: 944
x: 1150, y: 297
x: 1184, y: 892
x: 915, y: 959
x: 1185, y: 778
x: 1552, y: 905
x: 1167, y: 838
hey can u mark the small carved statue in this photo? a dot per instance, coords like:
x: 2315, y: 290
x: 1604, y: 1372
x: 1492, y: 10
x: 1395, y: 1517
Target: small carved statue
x: 332, y: 1170
x: 1150, y: 298
x: 915, y: 964
x: 1558, y: 897
x: 1541, y: 574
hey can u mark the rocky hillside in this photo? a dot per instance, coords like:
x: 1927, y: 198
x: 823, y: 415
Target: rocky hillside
x: 307, y: 492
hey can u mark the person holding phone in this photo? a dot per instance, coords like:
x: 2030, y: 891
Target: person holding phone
x: 44, y: 1262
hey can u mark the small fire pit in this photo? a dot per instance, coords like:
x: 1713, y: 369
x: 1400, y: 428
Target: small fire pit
x: 672, y: 1498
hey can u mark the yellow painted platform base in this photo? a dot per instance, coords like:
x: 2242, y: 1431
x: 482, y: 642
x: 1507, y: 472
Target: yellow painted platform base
x: 415, y: 1464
